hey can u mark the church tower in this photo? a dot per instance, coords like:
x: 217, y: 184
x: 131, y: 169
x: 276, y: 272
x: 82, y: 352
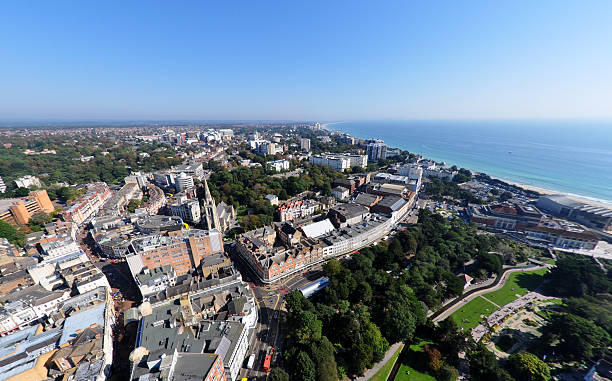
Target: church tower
x: 210, y: 209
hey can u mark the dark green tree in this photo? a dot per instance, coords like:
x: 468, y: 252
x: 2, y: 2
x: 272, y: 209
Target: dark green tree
x: 305, y: 368
x: 526, y: 366
x: 278, y: 374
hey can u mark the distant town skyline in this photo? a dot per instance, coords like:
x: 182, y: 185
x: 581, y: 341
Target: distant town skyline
x: 305, y: 61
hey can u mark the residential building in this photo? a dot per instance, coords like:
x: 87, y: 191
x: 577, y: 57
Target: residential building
x: 305, y: 144
x: 183, y: 182
x: 137, y: 178
x: 297, y: 208
x: 272, y: 199
x: 340, y: 162
x: 183, y: 251
x: 19, y: 211
x: 278, y: 165
x: 345, y: 183
x: 88, y: 205
x: 28, y: 182
x: 118, y: 203
x: 341, y: 193
x: 2, y: 185
x: 376, y: 150
x: 194, y: 170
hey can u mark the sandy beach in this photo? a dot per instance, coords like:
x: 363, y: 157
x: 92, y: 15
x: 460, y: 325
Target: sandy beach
x: 544, y: 191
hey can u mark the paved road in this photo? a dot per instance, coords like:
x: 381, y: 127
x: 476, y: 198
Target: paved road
x: 371, y: 372
x: 461, y: 301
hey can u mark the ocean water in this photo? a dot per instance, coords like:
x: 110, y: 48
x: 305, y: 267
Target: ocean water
x: 566, y: 156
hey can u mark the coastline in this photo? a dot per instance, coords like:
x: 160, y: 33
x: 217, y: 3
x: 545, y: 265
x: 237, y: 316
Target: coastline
x: 542, y: 190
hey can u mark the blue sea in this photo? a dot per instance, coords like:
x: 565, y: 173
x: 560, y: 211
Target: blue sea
x: 566, y: 156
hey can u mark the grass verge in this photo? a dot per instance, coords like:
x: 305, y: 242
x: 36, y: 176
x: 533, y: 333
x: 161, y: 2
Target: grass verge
x: 383, y: 373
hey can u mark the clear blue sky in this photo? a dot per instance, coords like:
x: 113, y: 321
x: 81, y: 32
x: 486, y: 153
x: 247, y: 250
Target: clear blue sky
x: 327, y: 60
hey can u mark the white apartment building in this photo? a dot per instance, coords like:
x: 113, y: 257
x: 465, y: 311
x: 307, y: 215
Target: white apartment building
x: 305, y: 144
x: 27, y: 182
x: 183, y: 182
x: 376, y: 150
x: 340, y: 162
x: 278, y: 165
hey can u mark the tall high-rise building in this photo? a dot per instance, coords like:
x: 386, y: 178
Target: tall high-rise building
x: 376, y: 150
x: 305, y: 144
x: 210, y: 209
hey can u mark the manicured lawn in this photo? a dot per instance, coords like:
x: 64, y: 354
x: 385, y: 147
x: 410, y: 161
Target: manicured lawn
x: 383, y: 373
x: 413, y: 375
x: 409, y: 357
x: 518, y: 283
x: 468, y: 316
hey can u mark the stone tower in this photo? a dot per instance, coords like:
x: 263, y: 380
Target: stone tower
x: 210, y: 210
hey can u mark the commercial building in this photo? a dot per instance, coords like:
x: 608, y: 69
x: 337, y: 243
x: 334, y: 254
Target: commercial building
x: 22, y: 307
x: 84, y: 277
x: 156, y: 201
x: 278, y: 165
x: 25, y: 353
x: 273, y: 254
x: 594, y: 216
x: 88, y: 205
x: 504, y: 216
x: 178, y: 327
x: 391, y: 206
x: 340, y: 162
x: 376, y: 150
x: 305, y: 144
x: 183, y: 251
x: 560, y: 237
x: 153, y: 281
x: 366, y: 199
x: 187, y: 209
x: 19, y: 211
x: 347, y: 214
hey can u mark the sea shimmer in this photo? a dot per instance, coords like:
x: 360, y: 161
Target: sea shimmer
x: 573, y: 157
